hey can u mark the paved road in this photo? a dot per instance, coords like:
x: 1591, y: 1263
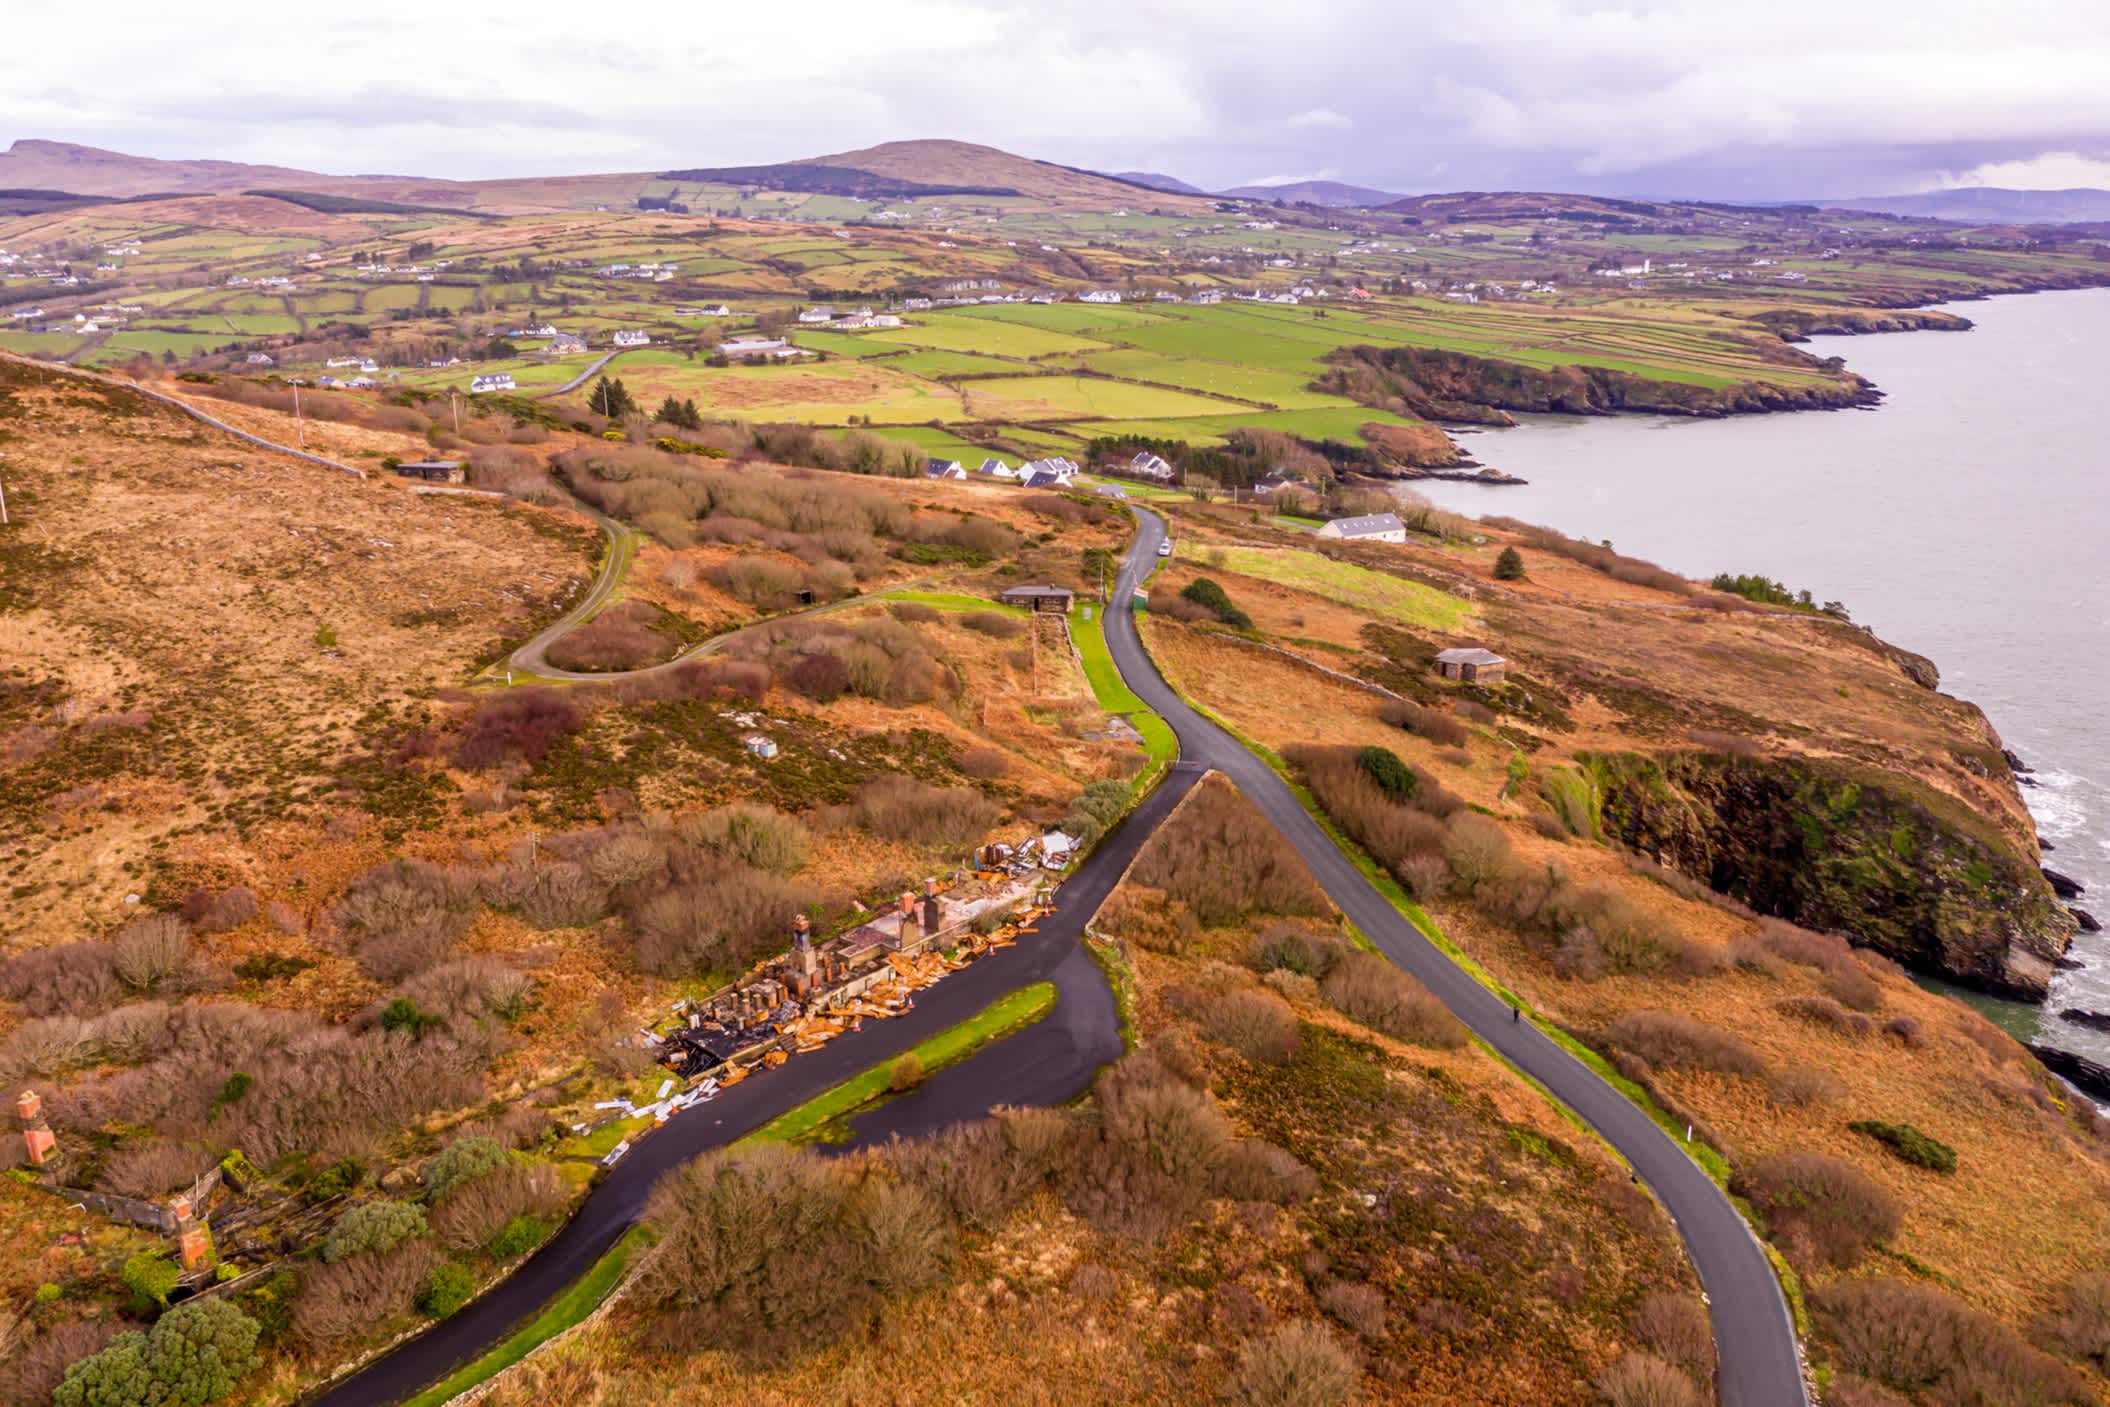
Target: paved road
x: 580, y: 380
x: 1047, y: 1063
x: 1760, y: 1363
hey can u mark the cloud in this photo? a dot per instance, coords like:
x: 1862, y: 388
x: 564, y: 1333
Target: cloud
x: 1322, y: 119
x: 2053, y: 171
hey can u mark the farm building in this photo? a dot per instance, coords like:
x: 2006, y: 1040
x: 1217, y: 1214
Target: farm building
x: 1099, y: 295
x: 496, y: 381
x: 708, y: 310
x: 1472, y: 665
x: 774, y: 348
x: 1370, y: 527
x: 632, y: 338
x: 817, y: 316
x: 1053, y: 599
x: 943, y: 469
x: 436, y: 471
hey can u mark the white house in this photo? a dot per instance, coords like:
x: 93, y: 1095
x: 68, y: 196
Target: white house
x: 1151, y: 466
x: 708, y: 311
x: 996, y: 469
x: 943, y: 469
x: 773, y: 348
x: 817, y: 315
x: 259, y: 359
x: 495, y: 381
x: 632, y: 337
x: 1370, y: 527
x: 1099, y: 295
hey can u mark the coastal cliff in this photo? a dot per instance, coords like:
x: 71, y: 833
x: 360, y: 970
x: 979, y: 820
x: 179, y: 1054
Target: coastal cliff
x: 1446, y: 385
x: 1801, y: 324
x: 1896, y: 867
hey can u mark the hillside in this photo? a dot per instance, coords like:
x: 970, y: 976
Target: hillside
x: 1332, y: 193
x: 1157, y: 181
x: 933, y: 168
x: 1988, y: 205
x: 31, y: 164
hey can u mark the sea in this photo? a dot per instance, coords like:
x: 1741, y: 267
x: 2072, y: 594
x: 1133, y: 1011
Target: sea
x: 1967, y: 518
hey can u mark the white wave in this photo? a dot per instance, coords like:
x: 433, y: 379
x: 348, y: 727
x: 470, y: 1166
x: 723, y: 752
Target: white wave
x: 2059, y: 801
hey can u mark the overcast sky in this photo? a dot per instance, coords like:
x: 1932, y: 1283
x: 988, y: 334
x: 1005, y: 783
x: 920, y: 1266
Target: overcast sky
x: 1684, y: 97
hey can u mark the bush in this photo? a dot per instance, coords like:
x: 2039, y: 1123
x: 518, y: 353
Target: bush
x: 475, y: 1212
x: 447, y: 1289
x: 1909, y: 1145
x: 1258, y: 1026
x: 1301, y: 1363
x: 340, y: 1177
x: 196, y: 1353
x: 1917, y: 1339
x: 625, y: 636
x: 343, y: 1301
x: 1800, y: 1085
x: 2080, y: 1327
x: 902, y: 808
x: 1221, y: 858
x: 1358, y: 1306
x: 151, y: 1168
x: 207, y: 912
x: 761, y: 836
x: 1639, y: 1380
x: 1665, y: 1038
x: 984, y: 764
x: 1367, y: 988
x: 994, y: 624
x: 1675, y: 1328
x: 1212, y: 598
x: 770, y: 1249
x: 719, y: 919
x: 1823, y: 1011
x: 149, y: 950
x: 821, y: 676
x: 462, y: 1161
x: 1253, y: 1170
x: 905, y: 1073
x: 151, y: 1276
x: 1509, y: 565
x: 1438, y: 727
x: 72, y: 979
x: 522, y: 724
x: 518, y: 1236
x: 404, y: 916
x: 1393, y: 777
x: 372, y: 1227
x: 1849, y: 984
x: 1286, y: 947
x: 30, y: 1371
x: 1835, y: 1207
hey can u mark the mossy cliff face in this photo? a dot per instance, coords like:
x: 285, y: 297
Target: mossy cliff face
x: 1898, y: 868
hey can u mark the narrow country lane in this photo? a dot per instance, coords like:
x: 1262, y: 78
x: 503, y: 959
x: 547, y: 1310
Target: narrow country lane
x: 1759, y: 1359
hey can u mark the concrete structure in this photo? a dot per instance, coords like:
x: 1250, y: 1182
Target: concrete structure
x: 1055, y: 600
x: 1472, y: 665
x: 1370, y: 527
x: 435, y: 471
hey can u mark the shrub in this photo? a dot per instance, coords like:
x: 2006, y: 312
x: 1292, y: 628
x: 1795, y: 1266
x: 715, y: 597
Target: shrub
x: 719, y: 919
x: 1285, y: 947
x: 1835, y: 1206
x: 769, y: 1249
x: 1256, y: 1025
x: 1802, y: 1085
x: 403, y: 1014
x: 151, y: 1276
x: 1253, y: 1170
x: 984, y: 764
x: 207, y: 912
x: 72, y: 979
x: 995, y: 624
x: 1823, y: 1011
x: 371, y: 1227
x: 1221, y: 858
x: 1917, y: 1339
x: 1358, y: 1306
x: 462, y: 1161
x: 820, y: 676
x: 625, y: 636
x: 1640, y: 1380
x: 905, y: 1073
x: 519, y: 1236
x: 405, y: 916
x: 1367, y: 988
x: 196, y: 1353
x: 761, y: 836
x: 447, y: 1289
x: 1907, y: 1029
x: 1675, y: 1328
x: 522, y: 723
x: 1909, y: 1145
x: 1849, y: 984
x: 1666, y: 1038
x: 1438, y: 727
x: 1213, y: 599
x: 1382, y: 765
x: 149, y: 950
x: 340, y: 1177
x: 1509, y: 565
x: 1476, y: 848
x: 345, y: 1300
x: 152, y: 1167
x: 30, y: 1371
x: 2080, y: 1326
x: 1301, y: 1363
x: 902, y: 808
x: 469, y: 990
x: 475, y: 1212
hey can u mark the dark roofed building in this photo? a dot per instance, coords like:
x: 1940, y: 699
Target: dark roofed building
x: 1052, y: 599
x: 438, y: 471
x: 1472, y: 665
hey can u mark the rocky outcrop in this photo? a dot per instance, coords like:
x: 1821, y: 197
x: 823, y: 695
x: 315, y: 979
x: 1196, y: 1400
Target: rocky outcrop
x: 1800, y: 324
x: 1445, y: 385
x: 1894, y: 865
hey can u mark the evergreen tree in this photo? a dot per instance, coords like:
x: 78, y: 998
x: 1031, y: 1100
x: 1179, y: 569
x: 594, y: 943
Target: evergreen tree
x: 610, y: 398
x: 1510, y: 565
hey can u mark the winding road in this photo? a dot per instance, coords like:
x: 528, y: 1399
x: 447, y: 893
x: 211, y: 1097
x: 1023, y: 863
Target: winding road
x: 1759, y: 1360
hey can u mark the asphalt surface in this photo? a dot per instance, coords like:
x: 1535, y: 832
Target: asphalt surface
x: 1049, y: 1062
x: 1759, y: 1362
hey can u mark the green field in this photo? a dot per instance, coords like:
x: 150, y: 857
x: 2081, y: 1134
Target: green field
x: 1082, y: 398
x: 1378, y: 593
x: 986, y: 335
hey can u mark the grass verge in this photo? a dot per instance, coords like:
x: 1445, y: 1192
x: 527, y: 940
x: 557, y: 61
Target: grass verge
x: 814, y: 1119
x: 581, y: 1298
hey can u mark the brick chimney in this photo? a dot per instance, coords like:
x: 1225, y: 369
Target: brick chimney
x: 933, y: 916
x: 36, y: 1134
x: 911, y: 924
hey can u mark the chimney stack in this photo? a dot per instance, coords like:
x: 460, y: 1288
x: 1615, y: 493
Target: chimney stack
x: 36, y: 1134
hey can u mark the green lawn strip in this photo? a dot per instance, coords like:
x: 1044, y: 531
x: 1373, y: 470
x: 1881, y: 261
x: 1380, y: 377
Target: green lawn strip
x: 1114, y: 695
x: 601, y: 1141
x: 1122, y: 979
x: 581, y: 1298
x: 999, y: 1019
x: 949, y: 601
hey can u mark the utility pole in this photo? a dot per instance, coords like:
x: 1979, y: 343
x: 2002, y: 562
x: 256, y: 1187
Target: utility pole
x: 3, y: 498
x: 300, y: 425
x: 456, y: 402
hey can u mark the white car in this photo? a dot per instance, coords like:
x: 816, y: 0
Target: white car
x: 1165, y: 548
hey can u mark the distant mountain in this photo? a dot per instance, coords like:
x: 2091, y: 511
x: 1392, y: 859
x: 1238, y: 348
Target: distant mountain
x: 1157, y: 182
x: 931, y: 168
x: 1989, y: 205
x: 1540, y: 205
x: 63, y: 166
x: 1330, y: 193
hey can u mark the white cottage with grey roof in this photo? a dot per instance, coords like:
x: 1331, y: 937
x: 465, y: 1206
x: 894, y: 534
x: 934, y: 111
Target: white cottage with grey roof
x: 1369, y: 527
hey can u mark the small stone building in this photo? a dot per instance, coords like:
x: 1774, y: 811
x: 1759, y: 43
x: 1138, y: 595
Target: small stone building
x: 436, y: 471
x: 1053, y: 599
x: 1472, y: 666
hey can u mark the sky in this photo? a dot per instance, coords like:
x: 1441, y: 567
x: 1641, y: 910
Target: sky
x: 1696, y: 98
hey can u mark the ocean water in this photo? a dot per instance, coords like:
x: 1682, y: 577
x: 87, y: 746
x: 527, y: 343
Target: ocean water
x: 1966, y: 518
